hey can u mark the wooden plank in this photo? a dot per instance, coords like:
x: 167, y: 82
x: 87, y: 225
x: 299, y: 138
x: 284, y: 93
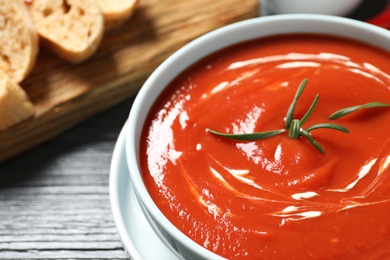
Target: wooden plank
x: 76, y: 223
x: 65, y: 94
x: 54, y: 199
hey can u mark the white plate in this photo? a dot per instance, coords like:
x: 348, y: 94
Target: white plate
x: 138, y: 237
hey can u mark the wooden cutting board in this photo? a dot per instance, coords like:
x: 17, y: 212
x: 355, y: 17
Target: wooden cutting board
x: 66, y: 94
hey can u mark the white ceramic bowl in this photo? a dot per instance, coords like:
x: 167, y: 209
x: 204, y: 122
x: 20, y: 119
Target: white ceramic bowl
x: 192, y: 52
x: 329, y: 7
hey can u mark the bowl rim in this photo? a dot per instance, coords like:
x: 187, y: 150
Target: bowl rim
x: 206, y: 44
x: 314, y: 7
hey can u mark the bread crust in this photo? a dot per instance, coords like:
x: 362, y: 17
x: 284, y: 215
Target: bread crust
x: 116, y: 12
x: 19, y: 44
x: 73, y: 29
x: 15, y: 106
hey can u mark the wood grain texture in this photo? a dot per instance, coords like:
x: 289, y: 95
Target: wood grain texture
x: 54, y: 199
x: 66, y: 94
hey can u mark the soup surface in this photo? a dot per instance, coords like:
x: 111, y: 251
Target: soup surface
x: 276, y: 198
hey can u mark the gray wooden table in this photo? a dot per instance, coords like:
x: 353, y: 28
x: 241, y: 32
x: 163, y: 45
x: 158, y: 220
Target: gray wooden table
x: 54, y: 199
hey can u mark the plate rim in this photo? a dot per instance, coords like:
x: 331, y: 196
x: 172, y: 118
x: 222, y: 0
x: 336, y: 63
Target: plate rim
x: 118, y: 151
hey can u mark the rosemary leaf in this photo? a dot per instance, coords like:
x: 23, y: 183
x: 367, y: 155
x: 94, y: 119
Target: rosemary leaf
x: 311, y: 108
x: 327, y: 125
x: 248, y: 136
x: 290, y: 111
x: 348, y: 110
x: 312, y: 141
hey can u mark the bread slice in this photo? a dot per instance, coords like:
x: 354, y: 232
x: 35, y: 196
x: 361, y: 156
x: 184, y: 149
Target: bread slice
x: 19, y: 43
x: 14, y: 103
x: 73, y: 29
x: 116, y: 12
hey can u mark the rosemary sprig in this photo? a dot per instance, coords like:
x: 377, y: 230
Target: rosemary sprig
x: 294, y: 126
x: 348, y: 110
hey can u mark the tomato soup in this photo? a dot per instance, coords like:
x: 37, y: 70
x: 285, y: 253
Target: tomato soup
x: 275, y: 198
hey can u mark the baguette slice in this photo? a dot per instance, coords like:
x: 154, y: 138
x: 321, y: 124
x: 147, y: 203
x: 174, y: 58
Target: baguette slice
x: 19, y: 44
x: 14, y: 103
x: 73, y: 29
x: 116, y: 12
